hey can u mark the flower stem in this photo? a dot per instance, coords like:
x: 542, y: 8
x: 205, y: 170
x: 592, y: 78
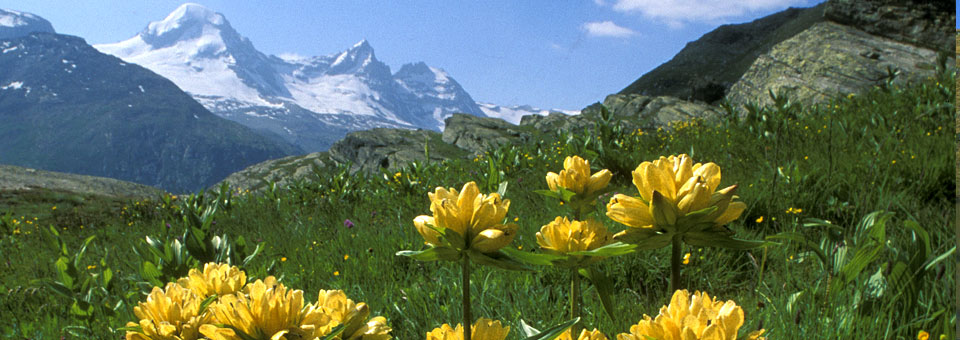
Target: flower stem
x: 465, y: 282
x: 675, y: 264
x: 575, y: 300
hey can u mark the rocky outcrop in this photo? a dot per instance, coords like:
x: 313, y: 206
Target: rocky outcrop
x: 921, y: 23
x: 391, y: 148
x: 281, y: 171
x: 633, y: 110
x: 827, y: 60
x: 14, y: 178
x: 705, y: 68
x: 478, y: 134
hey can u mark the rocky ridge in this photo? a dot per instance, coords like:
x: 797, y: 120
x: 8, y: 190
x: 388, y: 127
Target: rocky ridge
x: 813, y: 56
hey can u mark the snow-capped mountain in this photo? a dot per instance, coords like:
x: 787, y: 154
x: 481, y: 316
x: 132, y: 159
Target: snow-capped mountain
x: 513, y: 114
x: 15, y: 24
x: 310, y: 102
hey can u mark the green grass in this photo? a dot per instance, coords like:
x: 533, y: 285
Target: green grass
x: 881, y: 150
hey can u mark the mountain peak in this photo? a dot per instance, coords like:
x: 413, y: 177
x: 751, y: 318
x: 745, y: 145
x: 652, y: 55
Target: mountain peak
x: 188, y: 21
x: 358, y: 58
x: 15, y: 24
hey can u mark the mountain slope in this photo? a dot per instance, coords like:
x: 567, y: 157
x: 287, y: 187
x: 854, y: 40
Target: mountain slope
x: 66, y: 107
x: 706, y: 68
x: 16, y: 24
x: 310, y: 102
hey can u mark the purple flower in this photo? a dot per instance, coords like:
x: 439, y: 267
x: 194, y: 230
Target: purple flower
x: 347, y: 223
x: 168, y: 225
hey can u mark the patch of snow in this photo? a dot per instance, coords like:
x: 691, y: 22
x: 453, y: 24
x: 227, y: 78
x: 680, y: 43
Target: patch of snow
x: 195, y: 116
x: 11, y: 49
x: 513, y: 114
x: 141, y: 89
x: 129, y: 105
x: 14, y: 85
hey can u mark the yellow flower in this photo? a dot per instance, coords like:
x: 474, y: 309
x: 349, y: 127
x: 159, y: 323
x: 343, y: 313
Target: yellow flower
x: 338, y: 309
x: 923, y: 335
x: 472, y: 219
x: 263, y: 310
x: 576, y: 177
x: 563, y: 236
x: 584, y: 335
x: 220, y: 279
x: 169, y: 313
x: 694, y: 316
x: 483, y: 329
x: 676, y: 196
x: 686, y: 258
x: 760, y: 219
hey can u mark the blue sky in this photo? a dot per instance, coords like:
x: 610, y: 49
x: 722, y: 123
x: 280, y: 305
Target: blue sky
x: 550, y: 54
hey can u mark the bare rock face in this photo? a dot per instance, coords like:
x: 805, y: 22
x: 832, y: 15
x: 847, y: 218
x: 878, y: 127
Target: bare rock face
x: 391, y: 148
x: 828, y: 60
x: 281, y: 171
x: 478, y: 134
x: 921, y: 23
x: 634, y: 111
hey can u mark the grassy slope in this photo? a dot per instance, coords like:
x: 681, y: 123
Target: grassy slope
x: 881, y: 150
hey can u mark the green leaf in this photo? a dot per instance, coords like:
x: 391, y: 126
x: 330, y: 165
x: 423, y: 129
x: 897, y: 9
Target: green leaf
x: 432, y: 254
x: 940, y: 258
x: 528, y: 330
x: 553, y: 332
x: 644, y: 238
x: 604, y: 285
x: 66, y: 277
x: 206, y: 303
x: 150, y: 273
x: 799, y: 238
x: 664, y: 213
x: 107, y: 277
x: 81, y: 308
x: 498, y: 260
x: 548, y: 193
x: 335, y: 332
x: 502, y: 188
x: 714, y: 239
x: 613, y: 249
x: 538, y: 259
x: 59, y: 288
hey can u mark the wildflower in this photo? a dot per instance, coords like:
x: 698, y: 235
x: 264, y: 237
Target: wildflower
x: 215, y: 279
x: 483, y: 329
x: 345, y: 257
x: 54, y: 208
x: 563, y: 236
x: 694, y: 316
x: 466, y: 220
x: 265, y: 310
x: 337, y: 309
x: 686, y: 258
x: 577, y: 178
x: 283, y: 259
x: 336, y: 273
x: 760, y: 219
x: 923, y: 335
x: 348, y: 223
x: 584, y: 335
x: 169, y: 313
x: 676, y: 197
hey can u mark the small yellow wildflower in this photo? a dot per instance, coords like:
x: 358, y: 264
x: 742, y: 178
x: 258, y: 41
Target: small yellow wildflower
x: 686, y: 258
x: 54, y: 208
x: 760, y: 219
x: 283, y: 259
x: 336, y: 273
x: 923, y: 335
x: 345, y: 257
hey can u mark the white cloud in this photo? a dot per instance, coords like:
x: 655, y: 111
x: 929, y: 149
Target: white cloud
x: 607, y: 29
x: 290, y: 56
x: 676, y: 12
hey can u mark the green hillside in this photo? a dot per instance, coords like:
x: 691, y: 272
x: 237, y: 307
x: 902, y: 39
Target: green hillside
x: 856, y: 197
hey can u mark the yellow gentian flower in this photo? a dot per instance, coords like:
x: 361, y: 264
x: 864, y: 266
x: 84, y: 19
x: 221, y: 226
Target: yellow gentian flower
x: 676, y: 196
x: 576, y: 177
x: 483, y: 329
x: 264, y: 310
x: 220, y: 279
x: 563, y: 236
x: 169, y: 313
x: 338, y: 309
x: 475, y: 218
x: 584, y: 335
x: 694, y: 316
